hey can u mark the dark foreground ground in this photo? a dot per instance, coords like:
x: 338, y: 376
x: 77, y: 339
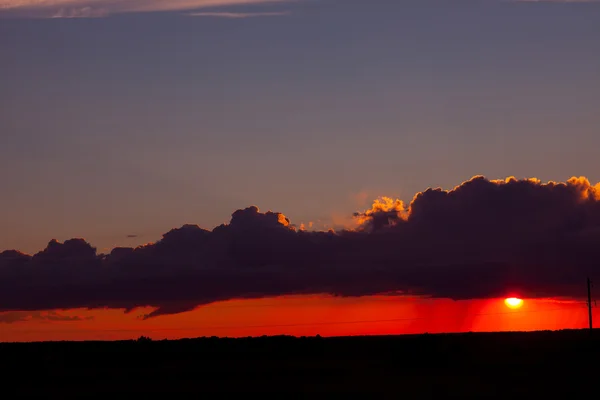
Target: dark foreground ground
x: 474, y: 365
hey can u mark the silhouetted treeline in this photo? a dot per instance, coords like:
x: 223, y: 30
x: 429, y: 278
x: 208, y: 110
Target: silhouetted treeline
x: 477, y: 365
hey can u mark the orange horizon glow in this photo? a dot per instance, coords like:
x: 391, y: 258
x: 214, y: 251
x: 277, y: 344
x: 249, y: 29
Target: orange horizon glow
x: 304, y: 316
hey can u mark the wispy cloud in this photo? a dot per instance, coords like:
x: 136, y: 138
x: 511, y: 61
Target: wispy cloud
x: 85, y: 12
x: 96, y: 8
x: 100, y: 8
x: 238, y: 14
x: 556, y: 1
x: 23, y: 316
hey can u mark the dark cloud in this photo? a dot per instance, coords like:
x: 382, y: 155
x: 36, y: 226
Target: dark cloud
x: 21, y: 316
x: 481, y: 239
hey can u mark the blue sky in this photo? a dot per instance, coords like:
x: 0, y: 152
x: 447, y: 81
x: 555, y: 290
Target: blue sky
x: 136, y: 122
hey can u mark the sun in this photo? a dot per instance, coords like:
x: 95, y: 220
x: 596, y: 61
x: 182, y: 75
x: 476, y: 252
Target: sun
x: 513, y: 302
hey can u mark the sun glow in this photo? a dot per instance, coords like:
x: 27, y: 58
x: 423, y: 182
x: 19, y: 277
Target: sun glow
x: 513, y: 302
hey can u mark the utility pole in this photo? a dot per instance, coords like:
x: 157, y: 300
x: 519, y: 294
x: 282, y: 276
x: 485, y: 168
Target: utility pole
x: 589, y: 288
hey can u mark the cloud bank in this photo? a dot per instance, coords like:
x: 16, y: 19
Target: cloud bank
x: 482, y: 239
x: 98, y: 8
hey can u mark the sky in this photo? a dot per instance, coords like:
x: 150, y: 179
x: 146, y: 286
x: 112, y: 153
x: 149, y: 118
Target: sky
x: 122, y: 120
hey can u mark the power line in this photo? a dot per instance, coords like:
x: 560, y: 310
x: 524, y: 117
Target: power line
x: 303, y: 302
x: 387, y: 299
x: 373, y: 320
x: 321, y: 323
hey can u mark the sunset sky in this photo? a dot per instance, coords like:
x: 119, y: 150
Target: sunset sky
x: 122, y: 121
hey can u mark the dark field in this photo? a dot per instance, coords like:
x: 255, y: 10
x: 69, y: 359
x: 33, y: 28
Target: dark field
x: 473, y: 365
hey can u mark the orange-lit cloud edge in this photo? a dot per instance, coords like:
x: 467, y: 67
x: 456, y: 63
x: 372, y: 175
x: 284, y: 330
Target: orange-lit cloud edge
x: 387, y: 204
x: 93, y: 320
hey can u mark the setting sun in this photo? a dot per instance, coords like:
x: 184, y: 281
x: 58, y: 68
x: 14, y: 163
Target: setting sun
x: 513, y: 302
